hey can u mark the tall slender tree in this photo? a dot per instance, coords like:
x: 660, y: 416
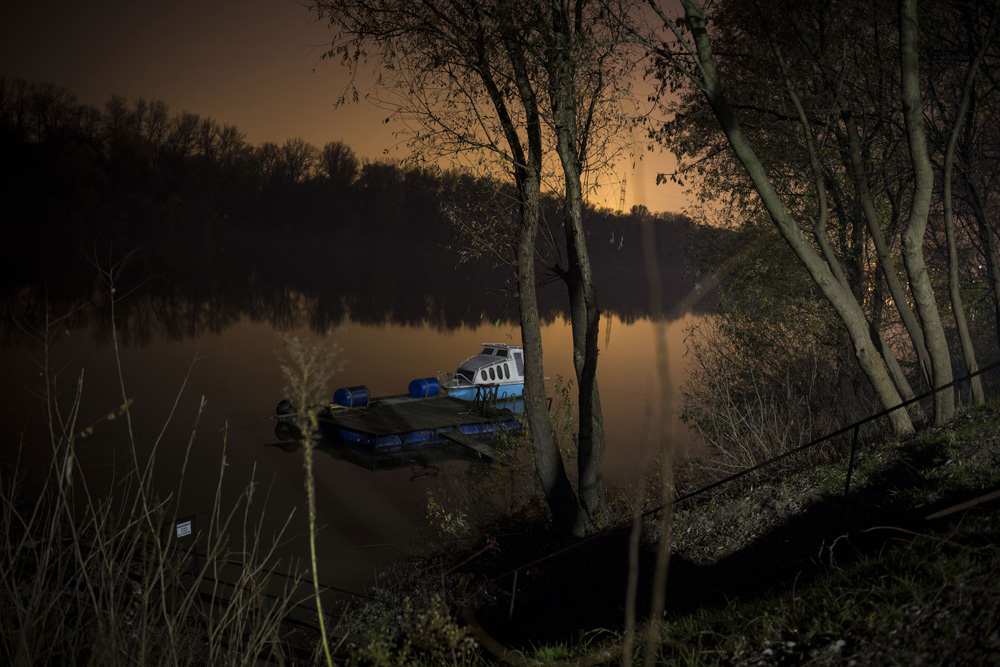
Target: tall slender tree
x: 494, y: 85
x: 916, y: 226
x: 585, y: 61
x: 844, y: 146
x: 962, y: 107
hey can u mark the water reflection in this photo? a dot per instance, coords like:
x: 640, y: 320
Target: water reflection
x: 186, y: 285
x: 198, y: 318
x: 421, y: 462
x: 237, y: 373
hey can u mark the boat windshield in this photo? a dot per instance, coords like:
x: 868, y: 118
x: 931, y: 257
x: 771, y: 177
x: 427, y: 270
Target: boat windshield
x: 466, y: 374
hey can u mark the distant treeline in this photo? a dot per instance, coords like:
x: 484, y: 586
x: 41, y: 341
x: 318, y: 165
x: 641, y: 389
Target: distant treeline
x: 247, y: 228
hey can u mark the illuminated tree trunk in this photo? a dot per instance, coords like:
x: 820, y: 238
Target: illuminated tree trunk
x: 548, y: 461
x: 860, y: 179
x: 916, y: 227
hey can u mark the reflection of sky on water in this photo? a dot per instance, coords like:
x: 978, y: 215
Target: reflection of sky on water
x: 237, y: 373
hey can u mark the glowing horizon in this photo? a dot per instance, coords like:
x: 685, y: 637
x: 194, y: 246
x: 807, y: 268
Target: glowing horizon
x: 255, y: 64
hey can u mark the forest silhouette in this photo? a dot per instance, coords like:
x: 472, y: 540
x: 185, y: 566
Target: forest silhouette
x: 217, y: 229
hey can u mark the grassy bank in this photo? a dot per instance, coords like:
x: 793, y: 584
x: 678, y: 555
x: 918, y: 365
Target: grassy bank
x: 766, y: 571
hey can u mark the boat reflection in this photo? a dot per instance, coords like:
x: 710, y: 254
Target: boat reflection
x: 374, y: 459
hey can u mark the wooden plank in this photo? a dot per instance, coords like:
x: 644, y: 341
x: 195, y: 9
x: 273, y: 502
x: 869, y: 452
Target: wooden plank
x: 471, y: 443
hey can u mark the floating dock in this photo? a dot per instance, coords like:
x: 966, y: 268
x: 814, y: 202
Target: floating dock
x: 400, y: 422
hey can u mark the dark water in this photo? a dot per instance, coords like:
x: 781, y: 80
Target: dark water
x: 208, y: 331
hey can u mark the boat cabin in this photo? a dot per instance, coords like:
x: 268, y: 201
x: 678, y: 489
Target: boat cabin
x: 495, y: 364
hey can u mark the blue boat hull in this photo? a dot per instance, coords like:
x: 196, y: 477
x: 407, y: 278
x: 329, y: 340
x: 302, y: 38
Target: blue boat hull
x: 504, y: 391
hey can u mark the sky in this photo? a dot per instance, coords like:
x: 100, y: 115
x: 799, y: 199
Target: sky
x: 255, y: 64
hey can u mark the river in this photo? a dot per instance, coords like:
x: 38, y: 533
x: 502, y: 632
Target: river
x: 200, y: 364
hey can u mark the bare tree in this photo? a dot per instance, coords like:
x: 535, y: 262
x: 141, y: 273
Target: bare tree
x: 462, y: 73
x: 916, y: 226
x: 585, y: 62
x: 954, y: 287
x: 338, y: 164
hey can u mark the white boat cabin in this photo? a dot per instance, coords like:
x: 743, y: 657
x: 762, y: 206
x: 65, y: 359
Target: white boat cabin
x: 496, y: 363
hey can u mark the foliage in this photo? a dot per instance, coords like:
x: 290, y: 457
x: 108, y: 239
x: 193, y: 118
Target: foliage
x: 770, y: 370
x: 494, y: 492
x: 428, y: 637
x: 561, y: 414
x: 451, y: 524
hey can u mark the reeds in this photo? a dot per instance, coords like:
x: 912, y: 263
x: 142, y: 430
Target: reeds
x: 307, y: 372
x: 99, y: 575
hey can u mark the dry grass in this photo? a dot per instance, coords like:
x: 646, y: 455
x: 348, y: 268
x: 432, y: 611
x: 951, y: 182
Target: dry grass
x: 99, y: 575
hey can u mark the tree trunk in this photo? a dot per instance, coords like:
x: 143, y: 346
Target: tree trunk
x: 549, y: 467
x: 585, y: 322
x: 954, y: 287
x: 579, y: 276
x: 843, y: 302
x: 888, y: 356
x: 958, y: 309
x: 548, y: 461
x: 916, y: 227
x: 989, y: 249
x: 882, y: 250
x: 895, y: 371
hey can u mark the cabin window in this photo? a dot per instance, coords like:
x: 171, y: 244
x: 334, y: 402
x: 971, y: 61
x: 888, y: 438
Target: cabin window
x: 487, y: 351
x: 483, y: 373
x: 493, y: 376
x: 519, y: 360
x: 506, y: 371
x: 501, y: 352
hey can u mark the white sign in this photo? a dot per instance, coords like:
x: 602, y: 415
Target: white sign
x: 184, y: 527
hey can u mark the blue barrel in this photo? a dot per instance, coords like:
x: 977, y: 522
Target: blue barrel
x: 351, y: 397
x: 417, y: 437
x: 424, y: 387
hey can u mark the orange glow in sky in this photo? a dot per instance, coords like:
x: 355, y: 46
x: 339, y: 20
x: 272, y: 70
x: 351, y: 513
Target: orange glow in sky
x: 255, y: 64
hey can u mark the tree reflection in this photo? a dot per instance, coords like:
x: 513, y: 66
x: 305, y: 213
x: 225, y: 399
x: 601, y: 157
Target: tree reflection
x: 219, y: 231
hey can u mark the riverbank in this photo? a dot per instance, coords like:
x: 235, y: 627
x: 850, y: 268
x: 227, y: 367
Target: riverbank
x: 906, y: 569
x: 776, y: 571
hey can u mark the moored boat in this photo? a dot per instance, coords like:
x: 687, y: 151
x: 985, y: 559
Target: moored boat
x: 435, y: 411
x: 498, y: 367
